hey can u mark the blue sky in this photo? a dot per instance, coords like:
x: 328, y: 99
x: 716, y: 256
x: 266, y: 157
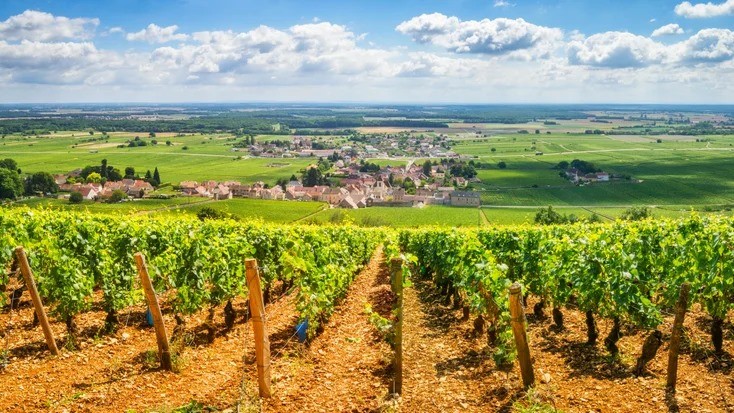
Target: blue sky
x: 463, y: 51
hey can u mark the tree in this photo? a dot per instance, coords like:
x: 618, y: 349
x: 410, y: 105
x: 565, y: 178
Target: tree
x: 94, y: 177
x: 156, y: 177
x: 636, y: 214
x: 547, y: 216
x: 76, y: 198
x: 129, y: 172
x: 148, y: 176
x: 88, y: 170
x: 584, y: 166
x: 42, y: 182
x: 113, y: 174
x: 117, y: 196
x: 11, y: 186
x: 427, y: 168
x: 103, y: 168
x: 8, y: 163
x: 502, y: 164
x: 563, y: 165
x: 312, y: 177
x: 211, y: 213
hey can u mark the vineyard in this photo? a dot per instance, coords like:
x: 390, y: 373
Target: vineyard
x: 629, y: 273
x: 616, y: 280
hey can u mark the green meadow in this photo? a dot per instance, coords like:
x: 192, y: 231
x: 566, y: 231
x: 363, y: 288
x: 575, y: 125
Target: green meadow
x: 672, y: 174
x: 204, y: 157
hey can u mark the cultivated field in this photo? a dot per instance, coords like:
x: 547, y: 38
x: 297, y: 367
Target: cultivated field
x: 673, y: 173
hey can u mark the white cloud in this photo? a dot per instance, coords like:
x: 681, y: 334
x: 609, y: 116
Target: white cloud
x: 667, y: 30
x: 616, y: 50
x: 502, y: 3
x: 627, y: 50
x: 39, y: 26
x: 423, y: 64
x: 704, y: 10
x: 327, y: 61
x: 314, y: 49
x: 653, y: 20
x: 156, y: 34
x: 493, y: 37
x: 706, y: 46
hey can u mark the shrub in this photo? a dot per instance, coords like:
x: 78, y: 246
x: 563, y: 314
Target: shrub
x: 76, y: 198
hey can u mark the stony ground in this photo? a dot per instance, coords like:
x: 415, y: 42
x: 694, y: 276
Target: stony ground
x: 347, y: 367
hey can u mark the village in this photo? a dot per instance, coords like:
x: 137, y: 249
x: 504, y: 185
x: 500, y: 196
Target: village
x: 385, y: 187
x: 353, y: 186
x: 357, y: 146
x: 93, y: 191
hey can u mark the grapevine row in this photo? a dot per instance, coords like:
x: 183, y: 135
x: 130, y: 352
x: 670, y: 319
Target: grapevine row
x: 626, y: 272
x: 194, y: 264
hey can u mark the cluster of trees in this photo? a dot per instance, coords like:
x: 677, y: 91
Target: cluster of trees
x: 368, y: 167
x: 463, y: 170
x: 549, y: 216
x: 317, y: 175
x: 12, y: 184
x: 248, y: 140
x: 313, y: 176
x: 139, y: 142
x: 584, y: 167
x: 104, y: 172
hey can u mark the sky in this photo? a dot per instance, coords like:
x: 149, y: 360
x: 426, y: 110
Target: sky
x: 398, y: 51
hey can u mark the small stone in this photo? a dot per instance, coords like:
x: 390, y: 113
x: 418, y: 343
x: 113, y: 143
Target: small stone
x: 125, y: 336
x: 546, y: 378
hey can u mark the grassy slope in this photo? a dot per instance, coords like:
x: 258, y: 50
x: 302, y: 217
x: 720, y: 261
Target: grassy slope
x: 402, y: 217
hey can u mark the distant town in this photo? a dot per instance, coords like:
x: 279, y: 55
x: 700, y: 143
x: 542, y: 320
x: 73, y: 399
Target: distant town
x: 353, y: 186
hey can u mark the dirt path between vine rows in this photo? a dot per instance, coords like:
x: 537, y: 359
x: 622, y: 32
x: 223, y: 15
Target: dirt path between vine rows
x: 347, y: 367
x: 445, y: 367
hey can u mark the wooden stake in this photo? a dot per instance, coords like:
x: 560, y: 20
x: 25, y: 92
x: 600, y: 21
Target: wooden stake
x: 396, y: 274
x: 517, y: 312
x: 680, y: 314
x: 30, y: 283
x: 262, y: 343
x: 155, y: 311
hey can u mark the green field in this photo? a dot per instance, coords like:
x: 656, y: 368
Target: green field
x: 206, y: 157
x: 131, y: 207
x: 673, y: 175
x: 402, y: 217
x: 266, y: 210
x: 677, y: 171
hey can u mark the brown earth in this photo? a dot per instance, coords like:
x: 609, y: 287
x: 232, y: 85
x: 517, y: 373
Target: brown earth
x: 447, y: 367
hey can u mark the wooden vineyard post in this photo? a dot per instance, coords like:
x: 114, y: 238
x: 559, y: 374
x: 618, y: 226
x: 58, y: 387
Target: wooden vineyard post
x: 675, y: 336
x: 517, y: 313
x: 155, y: 311
x: 396, y: 275
x: 262, y: 344
x: 30, y: 283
